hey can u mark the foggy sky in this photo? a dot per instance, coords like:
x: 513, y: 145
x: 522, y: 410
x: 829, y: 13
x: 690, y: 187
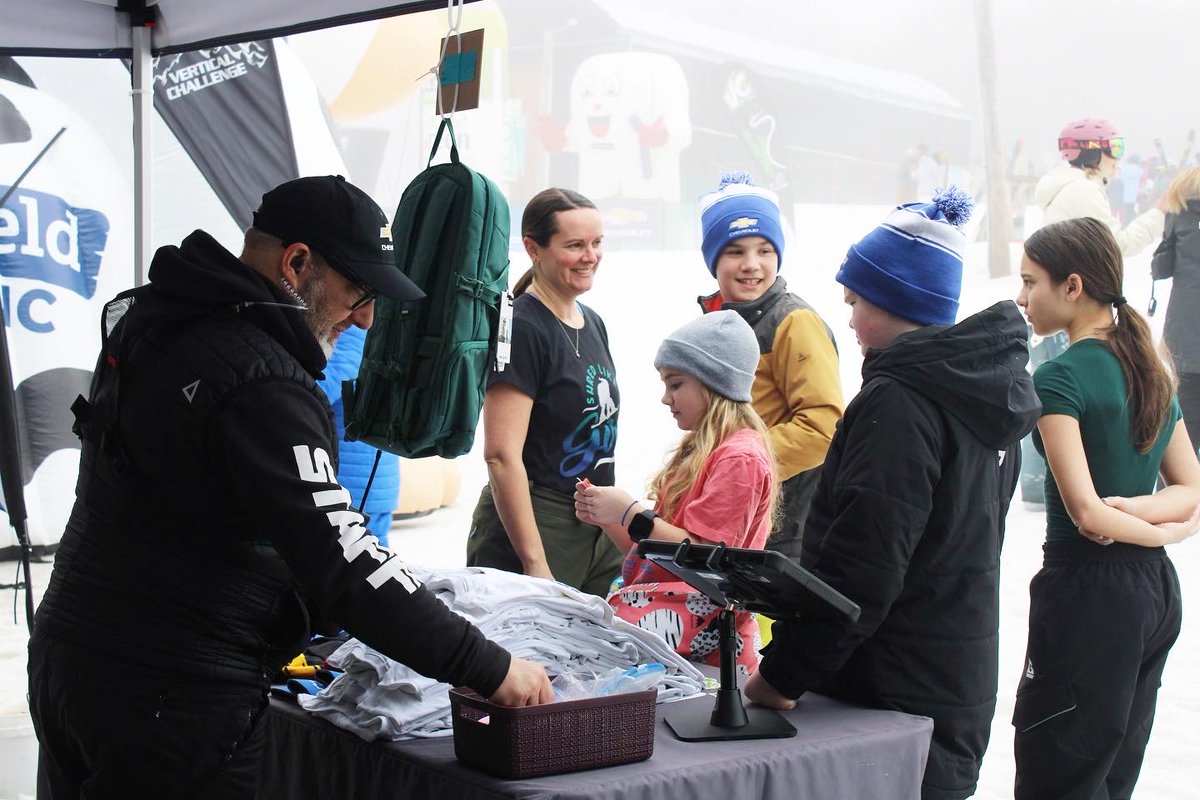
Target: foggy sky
x: 1128, y: 60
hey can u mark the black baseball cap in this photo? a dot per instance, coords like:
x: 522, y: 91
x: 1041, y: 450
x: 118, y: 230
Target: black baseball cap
x: 343, y: 224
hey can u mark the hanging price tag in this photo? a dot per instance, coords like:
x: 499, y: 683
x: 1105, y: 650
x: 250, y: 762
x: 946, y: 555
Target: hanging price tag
x: 458, y: 79
x: 504, y: 332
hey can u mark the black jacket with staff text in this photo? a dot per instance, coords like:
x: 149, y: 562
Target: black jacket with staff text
x: 908, y: 522
x: 209, y: 532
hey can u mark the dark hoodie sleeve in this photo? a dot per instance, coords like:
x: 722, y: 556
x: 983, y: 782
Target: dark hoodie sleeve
x: 1162, y: 264
x: 272, y: 440
x: 867, y: 522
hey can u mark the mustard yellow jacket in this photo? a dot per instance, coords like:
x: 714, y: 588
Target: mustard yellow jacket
x: 797, y: 388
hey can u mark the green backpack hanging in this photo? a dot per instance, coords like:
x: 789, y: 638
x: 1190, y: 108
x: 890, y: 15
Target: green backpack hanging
x: 425, y: 364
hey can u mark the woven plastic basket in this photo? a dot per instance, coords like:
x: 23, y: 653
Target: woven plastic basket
x: 552, y: 738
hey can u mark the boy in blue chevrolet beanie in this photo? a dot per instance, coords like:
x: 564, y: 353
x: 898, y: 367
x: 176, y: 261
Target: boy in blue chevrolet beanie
x: 797, y: 388
x: 738, y: 208
x: 911, y: 265
x: 908, y: 517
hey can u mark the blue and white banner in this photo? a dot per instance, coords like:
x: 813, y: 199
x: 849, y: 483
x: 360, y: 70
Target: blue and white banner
x: 65, y: 234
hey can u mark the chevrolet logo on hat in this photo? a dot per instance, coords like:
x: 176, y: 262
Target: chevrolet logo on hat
x: 743, y: 222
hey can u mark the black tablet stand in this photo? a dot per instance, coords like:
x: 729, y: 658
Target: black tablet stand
x: 736, y: 578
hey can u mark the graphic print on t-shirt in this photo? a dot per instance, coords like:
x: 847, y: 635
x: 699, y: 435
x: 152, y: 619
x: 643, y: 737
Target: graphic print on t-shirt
x: 592, y: 442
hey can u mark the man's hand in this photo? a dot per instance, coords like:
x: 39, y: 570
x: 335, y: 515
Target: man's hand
x: 525, y: 684
x: 757, y: 690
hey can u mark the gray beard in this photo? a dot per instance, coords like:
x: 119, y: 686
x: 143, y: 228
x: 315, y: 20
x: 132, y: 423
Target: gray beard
x: 317, y: 316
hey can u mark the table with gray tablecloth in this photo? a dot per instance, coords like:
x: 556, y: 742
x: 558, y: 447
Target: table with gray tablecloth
x: 839, y: 751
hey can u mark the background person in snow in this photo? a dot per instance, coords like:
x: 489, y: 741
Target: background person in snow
x: 718, y: 487
x: 1091, y: 148
x: 796, y: 390
x: 550, y: 418
x: 1178, y: 258
x: 1101, y: 618
x: 908, y: 517
x: 204, y: 399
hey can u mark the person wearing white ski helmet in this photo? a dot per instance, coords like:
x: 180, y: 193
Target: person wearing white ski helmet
x: 1091, y: 148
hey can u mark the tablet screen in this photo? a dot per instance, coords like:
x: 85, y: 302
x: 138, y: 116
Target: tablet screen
x: 753, y: 580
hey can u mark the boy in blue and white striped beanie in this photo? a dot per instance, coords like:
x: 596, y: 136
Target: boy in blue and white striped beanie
x: 908, y: 516
x: 911, y: 265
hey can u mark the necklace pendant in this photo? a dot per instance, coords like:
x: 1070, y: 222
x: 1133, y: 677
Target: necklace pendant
x: 574, y: 345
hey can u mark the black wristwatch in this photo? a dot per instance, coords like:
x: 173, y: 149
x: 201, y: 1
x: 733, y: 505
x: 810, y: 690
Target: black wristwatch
x: 641, y: 525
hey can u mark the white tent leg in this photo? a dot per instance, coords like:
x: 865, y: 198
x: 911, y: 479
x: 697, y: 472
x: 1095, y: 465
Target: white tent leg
x: 143, y: 106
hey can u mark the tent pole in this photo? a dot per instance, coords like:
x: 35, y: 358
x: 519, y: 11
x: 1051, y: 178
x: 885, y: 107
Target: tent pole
x: 143, y: 106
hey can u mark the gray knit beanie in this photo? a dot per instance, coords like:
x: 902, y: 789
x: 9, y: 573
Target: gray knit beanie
x: 719, y: 349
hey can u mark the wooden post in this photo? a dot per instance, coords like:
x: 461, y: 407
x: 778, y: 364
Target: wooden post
x: 999, y: 213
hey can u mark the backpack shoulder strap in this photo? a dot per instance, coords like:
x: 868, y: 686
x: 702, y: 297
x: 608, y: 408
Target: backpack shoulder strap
x: 437, y: 140
x: 96, y: 415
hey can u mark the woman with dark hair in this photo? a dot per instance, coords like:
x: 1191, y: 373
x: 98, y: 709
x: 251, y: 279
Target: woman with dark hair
x: 1091, y: 149
x: 1105, y: 608
x: 550, y: 418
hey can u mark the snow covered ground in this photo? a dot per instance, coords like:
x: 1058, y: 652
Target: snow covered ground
x: 645, y: 295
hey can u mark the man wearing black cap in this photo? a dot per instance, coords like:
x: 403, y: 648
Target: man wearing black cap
x: 209, y: 535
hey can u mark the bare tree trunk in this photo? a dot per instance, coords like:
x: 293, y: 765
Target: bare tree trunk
x: 999, y: 215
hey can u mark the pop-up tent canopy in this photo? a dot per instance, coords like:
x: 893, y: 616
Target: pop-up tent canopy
x: 139, y: 30
x: 109, y: 28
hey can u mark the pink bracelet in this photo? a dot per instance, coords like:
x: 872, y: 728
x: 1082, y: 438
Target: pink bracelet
x: 631, y: 505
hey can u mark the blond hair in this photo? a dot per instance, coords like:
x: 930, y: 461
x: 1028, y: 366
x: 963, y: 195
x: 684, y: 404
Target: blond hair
x: 722, y: 419
x: 1185, y: 187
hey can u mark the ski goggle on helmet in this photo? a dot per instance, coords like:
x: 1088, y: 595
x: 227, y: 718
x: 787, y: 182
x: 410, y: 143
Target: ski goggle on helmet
x: 1090, y: 133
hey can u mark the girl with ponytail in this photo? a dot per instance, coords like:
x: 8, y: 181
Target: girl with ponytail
x: 550, y: 417
x: 1105, y: 608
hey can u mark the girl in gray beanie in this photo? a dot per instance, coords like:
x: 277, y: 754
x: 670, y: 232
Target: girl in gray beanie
x: 718, y: 486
